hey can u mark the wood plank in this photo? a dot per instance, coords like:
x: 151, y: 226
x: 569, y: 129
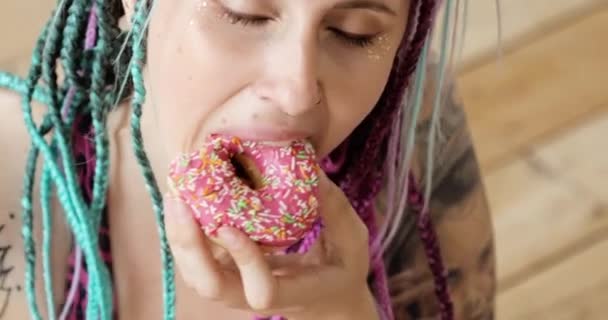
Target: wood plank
x: 550, y: 203
x: 520, y: 19
x: 539, y: 219
x: 576, y: 289
x: 581, y: 156
x: 537, y: 90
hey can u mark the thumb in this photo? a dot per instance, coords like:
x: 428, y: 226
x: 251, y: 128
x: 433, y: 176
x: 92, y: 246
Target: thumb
x: 333, y: 202
x: 344, y: 229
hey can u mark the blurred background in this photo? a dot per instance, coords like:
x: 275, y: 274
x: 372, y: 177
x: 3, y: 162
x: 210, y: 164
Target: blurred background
x: 539, y: 116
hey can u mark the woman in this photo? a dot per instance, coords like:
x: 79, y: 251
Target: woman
x: 334, y: 72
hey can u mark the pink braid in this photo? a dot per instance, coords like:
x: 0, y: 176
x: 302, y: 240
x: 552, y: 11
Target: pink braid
x: 431, y: 247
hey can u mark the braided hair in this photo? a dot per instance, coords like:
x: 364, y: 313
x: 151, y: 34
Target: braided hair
x: 102, y: 65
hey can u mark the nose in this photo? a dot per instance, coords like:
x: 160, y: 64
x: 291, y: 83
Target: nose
x: 291, y: 79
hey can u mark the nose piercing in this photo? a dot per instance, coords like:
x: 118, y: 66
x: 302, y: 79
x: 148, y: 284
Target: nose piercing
x: 319, y: 97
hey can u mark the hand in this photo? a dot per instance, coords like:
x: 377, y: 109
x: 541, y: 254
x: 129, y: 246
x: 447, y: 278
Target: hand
x: 231, y: 268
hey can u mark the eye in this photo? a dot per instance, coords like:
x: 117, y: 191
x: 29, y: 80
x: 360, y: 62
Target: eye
x: 359, y: 40
x: 245, y: 19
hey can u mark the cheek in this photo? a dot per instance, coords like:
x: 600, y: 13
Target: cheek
x: 354, y: 92
x: 183, y: 68
x: 194, y: 68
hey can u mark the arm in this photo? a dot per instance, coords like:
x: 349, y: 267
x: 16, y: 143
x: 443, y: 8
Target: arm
x: 462, y: 220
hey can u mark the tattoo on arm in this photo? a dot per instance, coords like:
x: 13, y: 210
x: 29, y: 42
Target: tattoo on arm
x: 462, y: 219
x: 6, y: 268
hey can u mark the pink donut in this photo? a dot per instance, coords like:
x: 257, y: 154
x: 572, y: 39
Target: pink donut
x: 277, y: 213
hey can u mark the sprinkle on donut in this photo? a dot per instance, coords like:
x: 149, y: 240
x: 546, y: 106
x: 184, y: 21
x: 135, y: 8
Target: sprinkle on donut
x: 278, y: 213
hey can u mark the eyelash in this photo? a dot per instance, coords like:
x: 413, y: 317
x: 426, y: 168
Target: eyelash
x: 362, y: 41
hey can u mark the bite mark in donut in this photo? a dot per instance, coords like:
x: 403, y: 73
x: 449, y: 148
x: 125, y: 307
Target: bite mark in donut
x: 246, y: 170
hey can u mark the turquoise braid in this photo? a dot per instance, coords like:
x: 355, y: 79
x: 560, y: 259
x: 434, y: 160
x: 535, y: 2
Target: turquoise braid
x: 47, y: 231
x: 62, y: 176
x: 71, y: 47
x: 437, y: 103
x: 139, y: 29
x: 72, y: 55
x: 99, y: 287
x: 84, y: 91
x: 106, y: 33
x: 40, y: 94
x: 16, y: 84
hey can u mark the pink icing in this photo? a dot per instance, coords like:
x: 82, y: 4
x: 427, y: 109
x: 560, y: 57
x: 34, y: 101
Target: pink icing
x: 277, y: 214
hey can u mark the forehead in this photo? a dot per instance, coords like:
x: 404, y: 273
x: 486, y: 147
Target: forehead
x: 377, y: 5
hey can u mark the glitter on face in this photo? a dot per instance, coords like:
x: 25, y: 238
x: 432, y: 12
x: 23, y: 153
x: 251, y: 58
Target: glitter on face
x: 380, y: 49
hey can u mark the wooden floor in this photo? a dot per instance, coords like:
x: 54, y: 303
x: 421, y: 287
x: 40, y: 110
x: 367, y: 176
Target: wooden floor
x: 540, y: 120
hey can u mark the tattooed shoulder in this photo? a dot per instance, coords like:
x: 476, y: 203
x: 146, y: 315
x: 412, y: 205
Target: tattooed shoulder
x: 461, y: 217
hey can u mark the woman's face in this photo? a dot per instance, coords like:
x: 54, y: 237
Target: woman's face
x: 273, y: 70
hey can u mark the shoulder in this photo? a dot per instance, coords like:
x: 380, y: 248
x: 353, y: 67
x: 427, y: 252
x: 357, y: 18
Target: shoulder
x: 459, y: 210
x: 452, y: 135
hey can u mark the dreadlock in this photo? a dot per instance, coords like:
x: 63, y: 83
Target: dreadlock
x: 106, y: 68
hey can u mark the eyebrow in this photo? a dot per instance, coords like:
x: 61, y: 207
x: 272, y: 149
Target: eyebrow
x: 365, y: 4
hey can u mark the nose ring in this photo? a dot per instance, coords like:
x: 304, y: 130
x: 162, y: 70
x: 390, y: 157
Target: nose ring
x: 319, y: 97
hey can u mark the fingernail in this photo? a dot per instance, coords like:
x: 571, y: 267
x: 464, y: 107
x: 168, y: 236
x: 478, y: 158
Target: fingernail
x: 175, y: 209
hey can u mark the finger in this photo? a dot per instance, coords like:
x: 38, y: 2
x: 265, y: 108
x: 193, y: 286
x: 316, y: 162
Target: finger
x: 301, y: 286
x: 328, y: 190
x: 221, y: 256
x: 334, y: 204
x: 259, y: 284
x: 315, y: 256
x: 345, y: 232
x: 193, y: 256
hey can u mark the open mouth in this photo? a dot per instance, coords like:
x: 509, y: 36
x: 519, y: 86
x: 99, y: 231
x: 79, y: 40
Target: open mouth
x: 246, y: 170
